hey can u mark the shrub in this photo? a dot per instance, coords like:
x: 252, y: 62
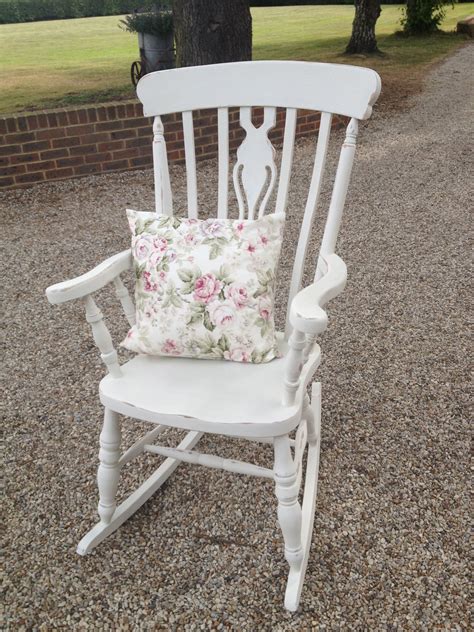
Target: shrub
x: 421, y: 17
x: 160, y: 23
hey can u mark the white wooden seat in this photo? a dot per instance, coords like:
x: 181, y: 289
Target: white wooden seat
x: 263, y: 402
x: 154, y: 387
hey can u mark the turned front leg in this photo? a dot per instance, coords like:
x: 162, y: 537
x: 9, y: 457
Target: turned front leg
x: 289, y: 509
x: 109, y: 470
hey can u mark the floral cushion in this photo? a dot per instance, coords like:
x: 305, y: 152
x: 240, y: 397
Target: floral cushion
x: 205, y: 288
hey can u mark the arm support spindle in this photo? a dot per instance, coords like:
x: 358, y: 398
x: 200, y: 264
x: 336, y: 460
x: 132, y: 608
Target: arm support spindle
x: 102, y: 337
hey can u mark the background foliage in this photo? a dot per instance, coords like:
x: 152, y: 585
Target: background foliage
x: 13, y: 11
x: 68, y: 62
x: 160, y: 23
x: 424, y: 16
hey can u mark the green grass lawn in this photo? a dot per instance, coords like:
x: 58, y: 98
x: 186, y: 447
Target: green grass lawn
x: 64, y: 62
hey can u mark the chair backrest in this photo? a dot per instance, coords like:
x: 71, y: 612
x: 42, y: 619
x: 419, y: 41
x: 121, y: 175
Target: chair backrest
x: 331, y: 89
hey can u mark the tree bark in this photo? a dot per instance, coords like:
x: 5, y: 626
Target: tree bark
x: 363, y: 28
x: 212, y: 31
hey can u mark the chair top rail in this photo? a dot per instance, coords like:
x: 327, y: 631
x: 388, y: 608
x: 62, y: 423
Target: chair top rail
x: 337, y: 88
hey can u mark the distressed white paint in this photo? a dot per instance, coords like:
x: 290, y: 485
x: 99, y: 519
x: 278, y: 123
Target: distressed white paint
x: 286, y: 160
x: 190, y: 156
x: 299, y: 444
x: 312, y: 413
x: 289, y: 510
x: 91, y: 281
x: 223, y: 157
x: 139, y: 446
x: 257, y: 402
x: 123, y: 512
x: 346, y: 90
x: 306, y: 311
x: 311, y: 205
x: 163, y: 196
x: 102, y: 337
x: 294, y: 366
x: 109, y: 469
x: 124, y: 298
x: 152, y: 389
x: 211, y: 460
x: 341, y: 184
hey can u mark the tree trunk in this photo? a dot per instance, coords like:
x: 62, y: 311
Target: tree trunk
x: 212, y: 31
x: 363, y: 28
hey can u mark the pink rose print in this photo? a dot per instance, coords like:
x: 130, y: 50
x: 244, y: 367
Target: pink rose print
x: 171, y: 347
x: 237, y: 294
x: 190, y: 239
x: 265, y: 308
x: 206, y: 287
x: 237, y: 355
x: 160, y: 244
x: 240, y: 227
x: 156, y: 258
x: 221, y: 314
x: 148, y: 286
x: 160, y: 247
x: 250, y: 247
x: 143, y: 248
x: 213, y: 228
x: 263, y: 240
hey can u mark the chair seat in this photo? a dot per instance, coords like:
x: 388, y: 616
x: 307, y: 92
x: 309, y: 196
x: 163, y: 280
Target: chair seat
x: 233, y: 398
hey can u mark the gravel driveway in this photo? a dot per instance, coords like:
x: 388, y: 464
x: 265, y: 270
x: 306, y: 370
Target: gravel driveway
x: 390, y: 539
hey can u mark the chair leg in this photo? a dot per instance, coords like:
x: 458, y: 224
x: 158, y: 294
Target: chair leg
x: 129, y: 506
x: 299, y: 561
x: 108, y: 473
x: 289, y: 509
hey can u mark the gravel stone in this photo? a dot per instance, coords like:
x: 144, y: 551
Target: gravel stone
x: 390, y: 538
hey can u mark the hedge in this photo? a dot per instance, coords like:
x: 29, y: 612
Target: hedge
x: 285, y: 3
x: 34, y: 10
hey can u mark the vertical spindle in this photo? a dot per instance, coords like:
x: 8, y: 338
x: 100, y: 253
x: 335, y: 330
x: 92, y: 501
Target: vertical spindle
x: 102, y: 337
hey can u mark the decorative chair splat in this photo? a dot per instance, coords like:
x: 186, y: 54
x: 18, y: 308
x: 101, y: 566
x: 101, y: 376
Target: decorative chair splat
x: 255, y: 161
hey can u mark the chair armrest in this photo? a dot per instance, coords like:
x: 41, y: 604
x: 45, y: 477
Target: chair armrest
x: 91, y: 281
x: 306, y: 313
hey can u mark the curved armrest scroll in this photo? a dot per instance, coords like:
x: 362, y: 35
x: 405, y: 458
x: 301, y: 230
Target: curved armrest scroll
x: 91, y: 281
x: 307, y: 314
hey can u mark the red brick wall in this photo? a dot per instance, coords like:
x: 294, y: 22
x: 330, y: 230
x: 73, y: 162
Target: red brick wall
x: 67, y: 143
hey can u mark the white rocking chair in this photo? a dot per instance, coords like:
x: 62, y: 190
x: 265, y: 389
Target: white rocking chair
x: 259, y: 402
